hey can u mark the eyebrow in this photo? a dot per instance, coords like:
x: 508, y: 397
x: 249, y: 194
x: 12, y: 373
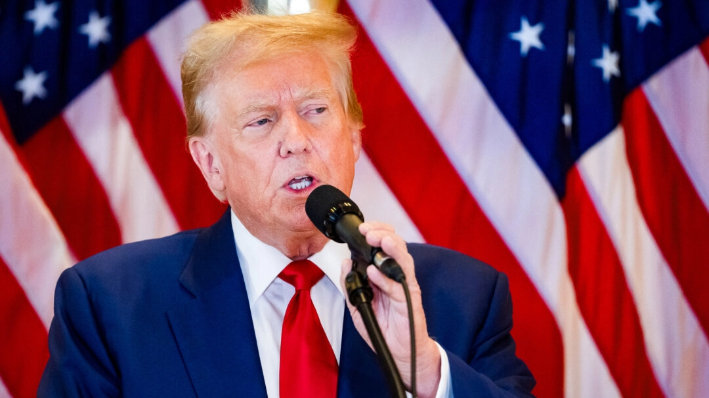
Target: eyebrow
x: 299, y: 94
x: 255, y: 107
x: 305, y: 93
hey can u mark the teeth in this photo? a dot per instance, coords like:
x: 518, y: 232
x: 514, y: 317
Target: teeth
x: 299, y: 183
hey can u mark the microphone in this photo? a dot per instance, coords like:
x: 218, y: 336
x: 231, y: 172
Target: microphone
x: 338, y: 217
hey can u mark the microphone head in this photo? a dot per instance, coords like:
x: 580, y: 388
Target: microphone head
x: 326, y: 205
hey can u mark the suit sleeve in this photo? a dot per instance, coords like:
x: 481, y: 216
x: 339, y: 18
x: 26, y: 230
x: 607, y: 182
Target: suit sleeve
x: 494, y: 370
x: 79, y: 364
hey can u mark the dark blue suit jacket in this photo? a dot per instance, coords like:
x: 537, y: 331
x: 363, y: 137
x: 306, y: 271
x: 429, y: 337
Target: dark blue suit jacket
x: 170, y: 318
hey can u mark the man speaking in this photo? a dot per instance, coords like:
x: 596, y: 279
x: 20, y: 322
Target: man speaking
x: 253, y: 306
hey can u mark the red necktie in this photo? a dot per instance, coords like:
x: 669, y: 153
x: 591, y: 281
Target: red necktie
x: 308, y: 365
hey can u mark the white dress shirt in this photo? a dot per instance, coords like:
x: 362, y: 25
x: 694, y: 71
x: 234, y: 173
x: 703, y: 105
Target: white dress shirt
x: 269, y: 297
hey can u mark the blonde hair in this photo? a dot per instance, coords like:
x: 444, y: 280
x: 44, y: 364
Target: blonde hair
x: 246, y: 38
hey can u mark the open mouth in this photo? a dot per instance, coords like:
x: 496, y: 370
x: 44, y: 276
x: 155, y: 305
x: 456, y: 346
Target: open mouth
x: 300, y: 183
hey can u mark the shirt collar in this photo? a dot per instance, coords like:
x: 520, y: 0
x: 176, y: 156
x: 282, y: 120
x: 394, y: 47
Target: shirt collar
x: 261, y: 263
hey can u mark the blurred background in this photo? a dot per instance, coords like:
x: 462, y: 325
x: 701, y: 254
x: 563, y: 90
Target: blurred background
x: 566, y: 143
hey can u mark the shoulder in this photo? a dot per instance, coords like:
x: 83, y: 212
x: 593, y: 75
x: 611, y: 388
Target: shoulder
x: 131, y: 266
x: 458, y: 290
x: 469, y: 313
x: 139, y: 255
x: 436, y: 264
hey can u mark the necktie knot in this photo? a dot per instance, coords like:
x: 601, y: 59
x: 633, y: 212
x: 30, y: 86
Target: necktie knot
x: 302, y: 274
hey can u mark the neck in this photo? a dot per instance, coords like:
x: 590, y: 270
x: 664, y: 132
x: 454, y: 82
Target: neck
x: 296, y: 245
x: 300, y: 247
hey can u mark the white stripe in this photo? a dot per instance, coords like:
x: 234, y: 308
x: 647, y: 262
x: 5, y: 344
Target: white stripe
x: 494, y: 164
x: 31, y: 243
x: 674, y: 341
x: 589, y: 376
x: 106, y: 138
x: 3, y: 391
x: 679, y: 95
x: 167, y: 38
x: 378, y: 203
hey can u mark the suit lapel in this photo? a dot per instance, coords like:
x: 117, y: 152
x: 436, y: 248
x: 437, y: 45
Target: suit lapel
x: 214, y: 331
x: 360, y: 374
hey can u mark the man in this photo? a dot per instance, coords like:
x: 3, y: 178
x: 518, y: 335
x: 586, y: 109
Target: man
x: 271, y: 115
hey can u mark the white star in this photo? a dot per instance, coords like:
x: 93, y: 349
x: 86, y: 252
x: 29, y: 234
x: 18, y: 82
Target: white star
x: 567, y: 119
x: 612, y: 5
x: 645, y: 13
x: 43, y: 16
x: 528, y: 36
x: 31, y: 85
x: 96, y: 29
x: 609, y: 63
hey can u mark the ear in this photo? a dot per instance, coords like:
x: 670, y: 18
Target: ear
x: 356, y: 142
x: 207, y: 159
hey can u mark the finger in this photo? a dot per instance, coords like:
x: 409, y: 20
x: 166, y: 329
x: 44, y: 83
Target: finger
x: 375, y: 225
x: 387, y: 287
x: 394, y: 246
x: 374, y: 237
x: 400, y: 252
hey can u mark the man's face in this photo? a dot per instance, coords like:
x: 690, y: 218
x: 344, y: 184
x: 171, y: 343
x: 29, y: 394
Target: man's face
x: 281, y: 130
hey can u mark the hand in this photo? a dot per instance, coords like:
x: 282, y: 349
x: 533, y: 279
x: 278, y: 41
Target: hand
x: 389, y: 305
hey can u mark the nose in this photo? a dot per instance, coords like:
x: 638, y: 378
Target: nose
x: 295, y: 137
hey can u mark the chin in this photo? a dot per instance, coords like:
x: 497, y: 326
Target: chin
x: 301, y: 224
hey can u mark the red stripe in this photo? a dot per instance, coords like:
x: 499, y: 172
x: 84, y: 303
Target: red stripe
x: 5, y: 128
x: 219, y: 8
x: 6, y: 131
x: 672, y: 208
x: 158, y: 124
x: 406, y: 154
x: 70, y: 188
x: 23, y: 339
x: 603, y: 295
x: 704, y: 48
x: 5, y: 125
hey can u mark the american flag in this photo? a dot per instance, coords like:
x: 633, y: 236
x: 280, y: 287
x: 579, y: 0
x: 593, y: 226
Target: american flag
x: 565, y: 143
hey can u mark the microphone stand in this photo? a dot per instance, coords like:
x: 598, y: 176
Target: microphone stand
x: 360, y: 295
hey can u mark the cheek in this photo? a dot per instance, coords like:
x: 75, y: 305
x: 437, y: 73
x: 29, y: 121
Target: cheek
x: 342, y: 160
x: 250, y: 173
x: 236, y: 165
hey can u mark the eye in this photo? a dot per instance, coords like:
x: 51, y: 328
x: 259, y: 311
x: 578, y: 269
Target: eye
x: 317, y: 110
x: 260, y: 122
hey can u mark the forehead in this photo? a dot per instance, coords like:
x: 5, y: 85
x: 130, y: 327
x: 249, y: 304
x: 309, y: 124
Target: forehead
x: 289, y: 77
